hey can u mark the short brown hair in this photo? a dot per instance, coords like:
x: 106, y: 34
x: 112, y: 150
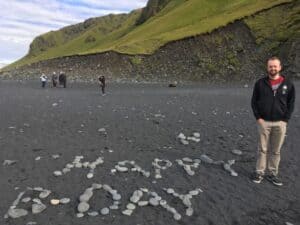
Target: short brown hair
x: 274, y: 58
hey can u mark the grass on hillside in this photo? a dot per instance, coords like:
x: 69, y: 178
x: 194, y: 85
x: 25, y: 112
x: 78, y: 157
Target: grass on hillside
x: 179, y: 19
x: 275, y: 26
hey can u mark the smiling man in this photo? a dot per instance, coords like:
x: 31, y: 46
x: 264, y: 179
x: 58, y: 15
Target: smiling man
x: 272, y: 104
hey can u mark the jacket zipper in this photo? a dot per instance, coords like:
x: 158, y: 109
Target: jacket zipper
x: 269, y: 86
x: 274, y: 96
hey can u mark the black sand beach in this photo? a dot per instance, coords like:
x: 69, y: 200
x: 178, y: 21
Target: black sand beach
x: 141, y: 122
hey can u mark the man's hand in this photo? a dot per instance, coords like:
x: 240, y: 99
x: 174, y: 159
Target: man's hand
x: 260, y: 121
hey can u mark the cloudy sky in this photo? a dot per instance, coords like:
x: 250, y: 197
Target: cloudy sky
x: 22, y: 20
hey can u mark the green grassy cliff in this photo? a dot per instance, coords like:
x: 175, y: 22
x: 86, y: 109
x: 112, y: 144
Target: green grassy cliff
x: 145, y: 30
x: 276, y: 26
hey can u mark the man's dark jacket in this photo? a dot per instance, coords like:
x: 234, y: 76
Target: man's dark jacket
x: 273, y: 106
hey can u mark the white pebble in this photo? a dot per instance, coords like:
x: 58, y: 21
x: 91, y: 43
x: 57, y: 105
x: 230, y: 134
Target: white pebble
x: 57, y: 173
x: 130, y: 206
x: 127, y: 212
x: 54, y: 201
x: 104, y: 211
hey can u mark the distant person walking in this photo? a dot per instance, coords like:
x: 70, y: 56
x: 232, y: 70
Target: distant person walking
x: 43, y: 80
x: 54, y: 79
x: 101, y: 80
x: 272, y: 104
x: 62, y: 79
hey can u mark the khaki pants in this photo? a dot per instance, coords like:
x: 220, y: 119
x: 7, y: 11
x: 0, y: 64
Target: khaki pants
x: 271, y: 138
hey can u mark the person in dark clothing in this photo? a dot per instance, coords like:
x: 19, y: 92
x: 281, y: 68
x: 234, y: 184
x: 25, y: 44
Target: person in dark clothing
x: 272, y: 104
x: 62, y: 79
x: 54, y: 79
x: 101, y: 80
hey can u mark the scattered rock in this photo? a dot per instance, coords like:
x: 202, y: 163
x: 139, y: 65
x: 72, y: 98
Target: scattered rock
x: 184, y: 142
x: 101, y: 130
x: 54, y: 201
x: 193, y: 139
x: 56, y: 156
x: 94, y: 213
x: 135, y: 168
x: 156, y: 164
x: 16, y: 213
x: 162, y: 202
x: 194, y: 192
x: 114, y: 207
x: 186, y: 200
x: 127, y: 212
x: 206, y: 159
x: 134, y: 198
x: 237, y: 152
x: 196, y: 135
x: 153, y: 202
x: 143, y: 203
x: 37, y: 201
x: 57, y: 173
x: 83, y: 207
x: 130, y: 206
x: 44, y: 194
x: 8, y: 162
x: 227, y: 167
x: 104, y: 211
x: 31, y: 223
x: 189, y: 211
x: 66, y: 170
x: 90, y: 175
x: 121, y: 169
x: 188, y: 164
x: 16, y: 202
x: 85, y: 197
x: 177, y: 216
x: 170, y: 191
x: 25, y: 200
x: 116, y: 197
x: 181, y: 136
x: 96, y: 186
x: 80, y: 215
x: 64, y: 200
x: 38, y: 208
x: 38, y: 189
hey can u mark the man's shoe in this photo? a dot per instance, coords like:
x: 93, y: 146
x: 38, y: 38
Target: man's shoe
x: 257, y: 178
x: 275, y: 180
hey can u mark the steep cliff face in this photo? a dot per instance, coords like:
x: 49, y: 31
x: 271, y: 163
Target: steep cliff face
x: 152, y: 8
x: 277, y: 32
x: 227, y: 54
x: 236, y: 52
x: 54, y: 39
x: 142, y: 31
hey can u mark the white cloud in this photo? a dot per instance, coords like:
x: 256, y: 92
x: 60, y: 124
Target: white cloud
x: 125, y: 4
x: 4, y: 62
x: 22, y: 20
x: 12, y: 50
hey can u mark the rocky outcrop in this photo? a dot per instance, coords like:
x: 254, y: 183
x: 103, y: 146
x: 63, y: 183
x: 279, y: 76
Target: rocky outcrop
x: 231, y: 53
x: 153, y: 7
x: 103, y: 25
x: 227, y: 54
